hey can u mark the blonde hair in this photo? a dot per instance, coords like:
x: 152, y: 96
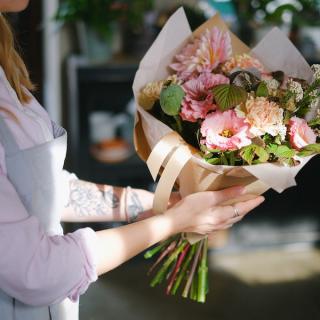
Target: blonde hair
x: 12, y: 64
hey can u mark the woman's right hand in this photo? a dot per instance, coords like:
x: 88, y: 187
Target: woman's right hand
x: 204, y: 212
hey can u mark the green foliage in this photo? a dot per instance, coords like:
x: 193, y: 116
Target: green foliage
x: 170, y: 99
x: 249, y: 153
x: 314, y: 122
x: 281, y: 151
x: 309, y: 150
x: 228, y: 96
x: 100, y: 14
x: 262, y: 90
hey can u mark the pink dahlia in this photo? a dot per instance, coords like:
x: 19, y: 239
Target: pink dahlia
x: 198, y: 100
x: 225, y: 131
x: 300, y: 133
x: 204, y: 54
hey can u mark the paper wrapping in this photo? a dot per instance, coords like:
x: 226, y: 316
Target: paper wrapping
x: 193, y: 174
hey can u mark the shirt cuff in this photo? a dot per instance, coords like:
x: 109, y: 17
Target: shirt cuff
x: 87, y: 241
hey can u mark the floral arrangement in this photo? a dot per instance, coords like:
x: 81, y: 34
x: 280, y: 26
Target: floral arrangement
x: 234, y: 112
x: 232, y: 109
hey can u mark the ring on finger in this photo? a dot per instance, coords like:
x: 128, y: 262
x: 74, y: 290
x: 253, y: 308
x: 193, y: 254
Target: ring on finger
x: 236, y: 213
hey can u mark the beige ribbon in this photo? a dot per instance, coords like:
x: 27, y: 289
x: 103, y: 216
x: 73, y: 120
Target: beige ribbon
x: 173, y: 150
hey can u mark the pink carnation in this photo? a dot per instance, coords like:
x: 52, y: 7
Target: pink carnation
x: 225, y: 131
x: 300, y: 133
x: 204, y: 54
x: 198, y: 100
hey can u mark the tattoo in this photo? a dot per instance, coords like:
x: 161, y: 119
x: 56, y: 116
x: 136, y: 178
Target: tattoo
x: 134, y: 206
x: 87, y: 199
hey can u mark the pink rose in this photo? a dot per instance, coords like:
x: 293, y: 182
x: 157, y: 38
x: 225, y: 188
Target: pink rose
x: 198, y: 100
x: 225, y: 131
x: 300, y: 133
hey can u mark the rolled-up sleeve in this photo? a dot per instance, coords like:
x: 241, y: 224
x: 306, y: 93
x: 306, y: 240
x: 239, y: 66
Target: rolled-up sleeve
x: 35, y: 268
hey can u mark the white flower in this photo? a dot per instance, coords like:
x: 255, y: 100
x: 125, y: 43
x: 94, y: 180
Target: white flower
x: 314, y: 103
x: 272, y: 84
x: 296, y: 88
x: 316, y: 71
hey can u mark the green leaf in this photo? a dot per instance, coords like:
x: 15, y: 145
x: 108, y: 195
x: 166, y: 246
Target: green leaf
x: 309, y: 150
x: 170, y: 99
x: 314, y: 122
x: 228, y: 96
x: 262, y: 154
x: 262, y: 90
x: 285, y: 152
x: 213, y: 161
x: 208, y: 155
x: 305, y: 153
x: 247, y: 153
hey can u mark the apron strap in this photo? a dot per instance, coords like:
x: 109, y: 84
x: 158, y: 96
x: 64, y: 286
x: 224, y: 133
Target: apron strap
x: 7, y: 139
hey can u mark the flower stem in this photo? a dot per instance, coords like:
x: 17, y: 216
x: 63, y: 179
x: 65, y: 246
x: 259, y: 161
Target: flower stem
x: 150, y: 253
x: 179, y: 123
x: 177, y: 267
x: 193, y: 269
x: 162, y: 272
x: 202, y: 273
x: 167, y: 251
x: 184, y: 269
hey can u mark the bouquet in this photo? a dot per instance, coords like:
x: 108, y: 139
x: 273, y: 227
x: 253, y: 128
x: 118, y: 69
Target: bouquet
x: 214, y: 114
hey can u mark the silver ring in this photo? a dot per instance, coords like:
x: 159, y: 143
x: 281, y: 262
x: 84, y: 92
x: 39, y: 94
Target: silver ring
x: 236, y: 212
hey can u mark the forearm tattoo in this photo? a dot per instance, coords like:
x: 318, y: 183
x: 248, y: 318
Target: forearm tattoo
x: 134, y: 206
x: 87, y: 199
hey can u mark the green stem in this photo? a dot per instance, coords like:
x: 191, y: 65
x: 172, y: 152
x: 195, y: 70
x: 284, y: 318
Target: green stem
x: 184, y: 268
x: 162, y: 272
x: 193, y: 269
x: 224, y: 159
x: 193, y: 290
x: 179, y: 123
x: 202, y: 273
x: 164, y: 253
x: 150, y: 253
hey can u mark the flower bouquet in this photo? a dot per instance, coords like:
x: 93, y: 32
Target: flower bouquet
x: 212, y: 114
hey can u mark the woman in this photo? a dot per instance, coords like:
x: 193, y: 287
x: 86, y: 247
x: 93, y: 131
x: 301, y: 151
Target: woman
x: 42, y: 271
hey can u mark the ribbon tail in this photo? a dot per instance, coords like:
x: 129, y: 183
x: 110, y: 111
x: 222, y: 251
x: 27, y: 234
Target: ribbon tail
x: 170, y: 174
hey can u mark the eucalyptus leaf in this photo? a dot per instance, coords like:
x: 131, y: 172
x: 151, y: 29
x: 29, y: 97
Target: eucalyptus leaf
x: 228, y: 96
x: 170, y: 99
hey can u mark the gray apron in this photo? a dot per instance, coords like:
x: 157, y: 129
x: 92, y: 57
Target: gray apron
x: 36, y: 174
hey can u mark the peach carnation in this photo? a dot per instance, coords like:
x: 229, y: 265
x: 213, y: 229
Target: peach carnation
x: 242, y: 61
x: 265, y: 117
x: 225, y: 131
x: 300, y: 133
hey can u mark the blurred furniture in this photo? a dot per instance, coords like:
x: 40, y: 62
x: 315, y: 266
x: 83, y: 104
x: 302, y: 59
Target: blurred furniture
x: 98, y: 91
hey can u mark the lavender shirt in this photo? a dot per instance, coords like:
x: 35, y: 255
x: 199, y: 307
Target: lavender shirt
x: 27, y: 252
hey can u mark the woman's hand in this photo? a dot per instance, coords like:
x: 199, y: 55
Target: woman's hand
x: 205, y: 213
x: 201, y: 212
